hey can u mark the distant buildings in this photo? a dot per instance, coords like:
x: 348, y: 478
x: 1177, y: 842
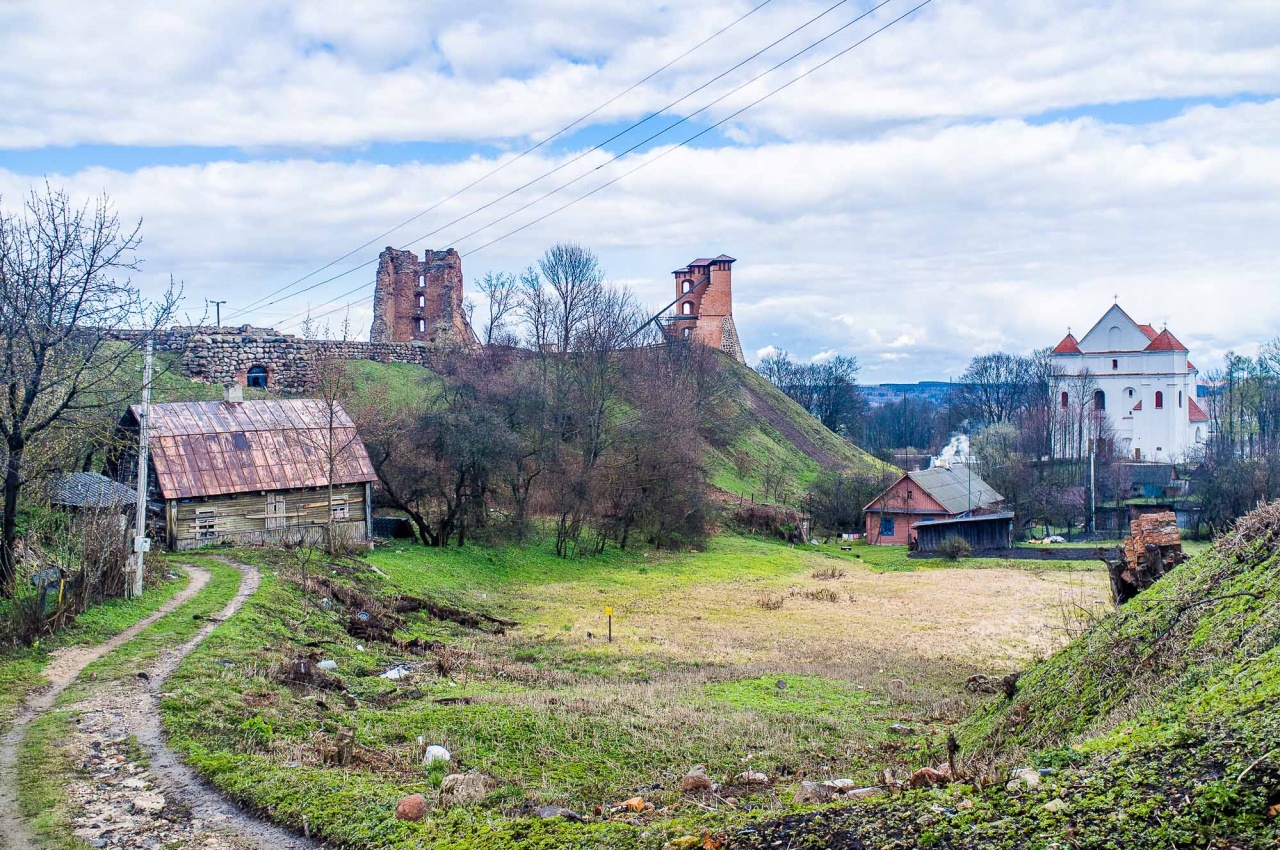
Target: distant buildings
x: 878, y: 394
x: 1136, y: 379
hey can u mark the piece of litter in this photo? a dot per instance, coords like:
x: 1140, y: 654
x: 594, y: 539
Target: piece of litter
x: 396, y: 673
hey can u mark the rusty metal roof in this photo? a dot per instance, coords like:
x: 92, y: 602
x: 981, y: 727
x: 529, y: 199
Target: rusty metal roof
x: 212, y: 448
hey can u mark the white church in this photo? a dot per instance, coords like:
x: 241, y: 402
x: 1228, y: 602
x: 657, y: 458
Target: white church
x: 1143, y: 381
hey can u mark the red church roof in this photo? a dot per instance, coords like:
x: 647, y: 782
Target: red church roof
x: 1068, y: 346
x: 1191, y: 367
x: 1150, y: 332
x: 1138, y: 406
x: 1195, y: 412
x: 1165, y: 341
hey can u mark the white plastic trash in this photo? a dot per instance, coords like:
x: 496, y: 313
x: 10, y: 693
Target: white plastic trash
x: 436, y: 753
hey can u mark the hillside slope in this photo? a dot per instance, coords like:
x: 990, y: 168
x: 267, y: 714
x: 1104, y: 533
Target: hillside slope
x: 759, y: 435
x: 772, y: 436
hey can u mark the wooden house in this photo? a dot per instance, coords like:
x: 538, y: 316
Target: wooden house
x: 252, y: 472
x: 926, y: 495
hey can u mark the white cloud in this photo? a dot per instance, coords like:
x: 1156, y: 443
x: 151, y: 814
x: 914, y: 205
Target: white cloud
x: 322, y: 73
x: 925, y: 244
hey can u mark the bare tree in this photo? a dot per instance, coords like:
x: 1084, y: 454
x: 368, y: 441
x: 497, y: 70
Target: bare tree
x: 330, y: 383
x: 59, y: 304
x: 502, y: 292
x: 575, y: 281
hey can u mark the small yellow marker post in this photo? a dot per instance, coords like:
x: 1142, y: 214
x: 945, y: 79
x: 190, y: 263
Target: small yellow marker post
x: 608, y: 612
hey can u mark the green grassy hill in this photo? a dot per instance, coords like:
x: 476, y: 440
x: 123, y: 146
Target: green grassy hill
x: 770, y: 433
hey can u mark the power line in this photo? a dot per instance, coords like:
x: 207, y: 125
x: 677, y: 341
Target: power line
x: 557, y: 134
x: 623, y: 153
x: 573, y: 160
x: 648, y: 162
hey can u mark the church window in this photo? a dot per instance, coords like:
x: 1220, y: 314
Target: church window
x: 1113, y: 337
x: 1179, y: 399
x: 1159, y: 400
x: 1099, y: 400
x: 1129, y: 392
x: 1064, y: 401
x: 686, y: 309
x: 1115, y: 364
x: 257, y: 377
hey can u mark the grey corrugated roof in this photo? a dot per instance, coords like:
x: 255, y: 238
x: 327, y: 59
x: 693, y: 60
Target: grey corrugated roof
x: 88, y: 490
x: 1005, y: 515
x: 958, y: 490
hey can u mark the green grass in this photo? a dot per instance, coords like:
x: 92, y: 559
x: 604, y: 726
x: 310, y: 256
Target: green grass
x: 20, y: 668
x: 169, y: 631
x: 558, y: 717
x: 405, y: 385
x: 896, y: 559
x: 44, y: 763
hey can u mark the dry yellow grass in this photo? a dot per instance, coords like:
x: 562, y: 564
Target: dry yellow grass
x: 980, y: 617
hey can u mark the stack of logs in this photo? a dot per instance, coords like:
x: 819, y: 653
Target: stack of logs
x: 1153, y: 548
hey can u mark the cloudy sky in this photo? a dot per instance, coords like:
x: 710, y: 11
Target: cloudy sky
x: 981, y: 175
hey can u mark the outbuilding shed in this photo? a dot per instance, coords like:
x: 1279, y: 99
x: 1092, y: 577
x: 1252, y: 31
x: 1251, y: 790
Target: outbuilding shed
x: 253, y: 472
x: 989, y: 531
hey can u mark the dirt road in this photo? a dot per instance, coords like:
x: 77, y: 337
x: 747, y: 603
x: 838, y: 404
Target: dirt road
x: 133, y: 791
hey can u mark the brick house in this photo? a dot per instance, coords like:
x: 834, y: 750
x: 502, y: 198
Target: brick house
x: 927, y: 495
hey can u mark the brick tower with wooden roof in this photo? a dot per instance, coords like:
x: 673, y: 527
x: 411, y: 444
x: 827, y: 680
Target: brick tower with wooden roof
x: 703, y: 311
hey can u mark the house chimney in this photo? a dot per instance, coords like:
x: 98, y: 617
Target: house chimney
x: 232, y: 393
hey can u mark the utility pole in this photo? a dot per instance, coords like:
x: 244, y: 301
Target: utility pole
x: 217, y: 309
x: 140, y: 542
x: 1093, y: 491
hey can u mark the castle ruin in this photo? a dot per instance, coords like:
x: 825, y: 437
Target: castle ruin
x: 420, y: 300
x: 704, y: 308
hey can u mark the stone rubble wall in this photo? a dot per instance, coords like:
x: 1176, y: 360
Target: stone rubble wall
x: 225, y: 355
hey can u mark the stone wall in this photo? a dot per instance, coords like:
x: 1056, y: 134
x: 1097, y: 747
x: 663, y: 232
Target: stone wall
x: 226, y: 355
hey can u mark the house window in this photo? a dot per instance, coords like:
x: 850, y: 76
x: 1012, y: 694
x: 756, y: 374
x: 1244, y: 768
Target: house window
x: 1064, y: 401
x: 1159, y: 400
x: 340, y: 510
x: 1099, y: 401
x: 686, y: 309
x: 206, y: 524
x: 276, y: 517
x: 886, y: 526
x: 257, y: 377
x: 1115, y: 364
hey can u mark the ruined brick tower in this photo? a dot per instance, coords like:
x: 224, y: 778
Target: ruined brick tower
x: 420, y: 300
x: 704, y: 312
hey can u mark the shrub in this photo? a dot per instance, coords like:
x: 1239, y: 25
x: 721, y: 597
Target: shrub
x: 770, y: 602
x: 954, y: 548
x: 828, y: 573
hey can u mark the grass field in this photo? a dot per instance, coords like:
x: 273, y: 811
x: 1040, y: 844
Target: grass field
x: 751, y: 655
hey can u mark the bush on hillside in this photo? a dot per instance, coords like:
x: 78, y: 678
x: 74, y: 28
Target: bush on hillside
x: 954, y: 547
